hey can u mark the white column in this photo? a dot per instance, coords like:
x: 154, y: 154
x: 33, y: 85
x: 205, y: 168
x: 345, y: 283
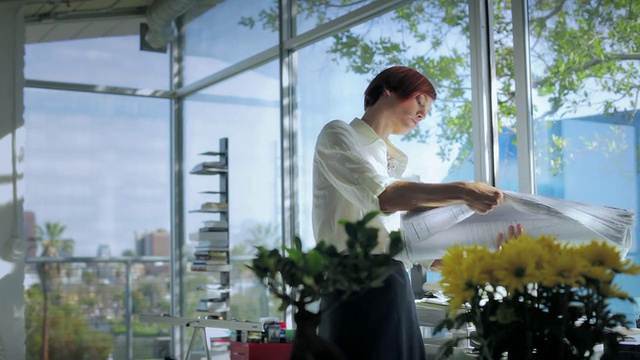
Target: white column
x: 12, y: 34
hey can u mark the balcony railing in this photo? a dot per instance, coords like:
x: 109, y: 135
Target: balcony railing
x: 102, y: 291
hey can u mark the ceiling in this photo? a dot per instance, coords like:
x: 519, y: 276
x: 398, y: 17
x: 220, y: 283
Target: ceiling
x: 55, y: 20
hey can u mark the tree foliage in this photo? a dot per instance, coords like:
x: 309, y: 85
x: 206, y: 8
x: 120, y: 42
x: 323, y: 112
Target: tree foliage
x: 71, y: 337
x: 583, y: 54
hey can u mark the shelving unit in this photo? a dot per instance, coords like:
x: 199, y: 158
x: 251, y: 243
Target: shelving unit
x: 212, y: 239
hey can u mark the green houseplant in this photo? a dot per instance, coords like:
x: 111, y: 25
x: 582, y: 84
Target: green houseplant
x: 300, y: 278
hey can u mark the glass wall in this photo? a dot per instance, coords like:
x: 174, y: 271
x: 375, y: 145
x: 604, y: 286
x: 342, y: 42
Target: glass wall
x: 221, y: 35
x: 98, y: 165
x: 119, y: 59
x: 311, y: 13
x: 585, y: 87
x: 96, y: 196
x: 245, y: 109
x: 333, y: 74
x: 507, y: 172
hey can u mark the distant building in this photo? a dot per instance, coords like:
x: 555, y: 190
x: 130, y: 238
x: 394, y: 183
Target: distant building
x: 103, y: 251
x: 155, y: 243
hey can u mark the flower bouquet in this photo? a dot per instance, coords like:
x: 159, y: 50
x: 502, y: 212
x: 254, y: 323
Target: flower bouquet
x: 535, y: 298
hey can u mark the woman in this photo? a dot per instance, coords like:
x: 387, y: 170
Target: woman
x: 358, y: 170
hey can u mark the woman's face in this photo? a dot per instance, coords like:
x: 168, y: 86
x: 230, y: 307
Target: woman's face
x: 408, y: 113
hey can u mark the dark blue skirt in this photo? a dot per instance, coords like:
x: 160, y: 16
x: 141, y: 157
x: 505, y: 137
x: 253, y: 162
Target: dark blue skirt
x: 378, y: 324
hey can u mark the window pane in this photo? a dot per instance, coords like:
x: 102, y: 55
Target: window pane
x: 585, y: 107
x: 96, y: 181
x: 313, y: 13
x: 250, y: 120
x: 507, y: 176
x: 87, y: 310
x: 227, y: 33
x: 334, y: 73
x: 111, y: 61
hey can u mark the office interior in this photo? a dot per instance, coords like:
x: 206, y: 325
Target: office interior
x: 108, y: 105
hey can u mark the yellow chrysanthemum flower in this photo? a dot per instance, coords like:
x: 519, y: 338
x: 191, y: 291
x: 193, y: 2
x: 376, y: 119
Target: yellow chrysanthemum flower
x: 613, y: 291
x: 465, y: 271
x: 563, y: 267
x: 517, y: 264
x: 598, y: 253
x: 546, y: 245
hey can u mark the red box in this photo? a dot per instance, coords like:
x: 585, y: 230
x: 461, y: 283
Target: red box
x: 264, y: 351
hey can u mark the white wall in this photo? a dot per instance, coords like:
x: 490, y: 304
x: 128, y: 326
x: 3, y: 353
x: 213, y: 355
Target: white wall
x: 12, y: 334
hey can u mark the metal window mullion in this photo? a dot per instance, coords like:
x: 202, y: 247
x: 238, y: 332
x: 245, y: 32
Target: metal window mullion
x: 100, y: 89
x: 230, y: 71
x: 344, y: 22
x: 483, y: 93
x: 177, y: 191
x: 288, y: 127
x: 293, y: 42
x: 522, y: 70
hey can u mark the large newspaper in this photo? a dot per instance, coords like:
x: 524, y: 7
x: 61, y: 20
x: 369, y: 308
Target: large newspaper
x: 429, y: 233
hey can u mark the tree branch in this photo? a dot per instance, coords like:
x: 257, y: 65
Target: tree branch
x: 592, y: 63
x: 551, y: 14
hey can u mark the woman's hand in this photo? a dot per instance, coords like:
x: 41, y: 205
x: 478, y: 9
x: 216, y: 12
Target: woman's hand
x: 512, y: 233
x: 481, y: 197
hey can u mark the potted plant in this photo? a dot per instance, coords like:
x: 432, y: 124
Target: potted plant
x: 300, y: 278
x: 535, y: 298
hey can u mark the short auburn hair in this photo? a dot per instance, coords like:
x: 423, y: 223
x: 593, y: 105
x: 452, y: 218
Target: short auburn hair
x: 403, y: 81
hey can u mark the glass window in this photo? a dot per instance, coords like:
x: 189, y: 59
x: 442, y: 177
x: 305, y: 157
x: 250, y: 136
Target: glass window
x: 97, y: 181
x: 334, y: 73
x: 226, y: 33
x: 585, y: 92
x: 311, y: 13
x: 98, y: 164
x: 507, y: 176
x: 111, y: 61
x: 249, y: 117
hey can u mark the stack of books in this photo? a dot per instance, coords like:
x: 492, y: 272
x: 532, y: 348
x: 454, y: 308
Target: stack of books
x: 211, y: 247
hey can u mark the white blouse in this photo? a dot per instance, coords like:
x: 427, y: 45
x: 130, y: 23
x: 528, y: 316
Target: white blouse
x: 352, y: 165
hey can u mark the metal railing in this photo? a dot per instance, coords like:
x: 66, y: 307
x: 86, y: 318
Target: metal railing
x: 128, y: 298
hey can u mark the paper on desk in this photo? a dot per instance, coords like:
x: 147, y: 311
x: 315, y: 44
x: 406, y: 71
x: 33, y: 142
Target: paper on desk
x: 429, y: 233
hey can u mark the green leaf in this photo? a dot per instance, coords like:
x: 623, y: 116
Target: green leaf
x: 297, y: 243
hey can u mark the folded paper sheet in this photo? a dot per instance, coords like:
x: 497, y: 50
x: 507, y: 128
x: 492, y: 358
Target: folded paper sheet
x: 429, y: 233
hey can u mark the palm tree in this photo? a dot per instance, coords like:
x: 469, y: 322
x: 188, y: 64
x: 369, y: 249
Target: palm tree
x: 49, y: 273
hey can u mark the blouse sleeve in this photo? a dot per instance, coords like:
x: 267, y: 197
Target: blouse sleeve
x: 339, y: 158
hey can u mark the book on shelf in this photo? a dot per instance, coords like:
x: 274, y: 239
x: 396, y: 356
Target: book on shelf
x: 210, y: 255
x: 215, y: 236
x: 216, y: 224
x: 212, y: 306
x: 214, y: 294
x: 212, y: 245
x: 205, y: 267
x: 208, y: 229
x: 209, y: 168
x: 213, y: 164
x: 214, y: 206
x: 207, y: 247
x: 212, y: 287
x: 220, y: 261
